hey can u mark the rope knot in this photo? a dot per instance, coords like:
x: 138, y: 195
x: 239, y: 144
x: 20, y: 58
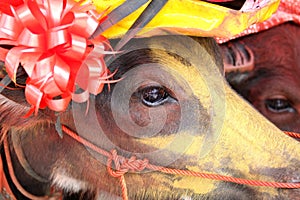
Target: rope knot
x: 124, y: 165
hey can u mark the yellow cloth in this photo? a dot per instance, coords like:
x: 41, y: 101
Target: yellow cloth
x: 191, y: 17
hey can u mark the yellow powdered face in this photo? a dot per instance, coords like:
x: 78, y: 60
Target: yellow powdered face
x: 216, y: 132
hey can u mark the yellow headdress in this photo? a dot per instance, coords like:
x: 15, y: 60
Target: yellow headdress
x: 194, y: 17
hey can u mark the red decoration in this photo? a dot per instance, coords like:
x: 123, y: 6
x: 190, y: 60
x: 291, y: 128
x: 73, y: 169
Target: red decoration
x: 5, y: 5
x: 51, y: 41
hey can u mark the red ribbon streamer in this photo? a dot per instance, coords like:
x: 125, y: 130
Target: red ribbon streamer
x: 51, y: 41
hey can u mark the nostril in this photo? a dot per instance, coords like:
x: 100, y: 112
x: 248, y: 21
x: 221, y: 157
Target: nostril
x: 292, y: 175
x: 288, y: 174
x: 295, y: 180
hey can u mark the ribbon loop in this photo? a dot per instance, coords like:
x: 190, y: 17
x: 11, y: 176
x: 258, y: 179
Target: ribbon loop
x: 8, y: 27
x: 30, y: 39
x: 51, y: 41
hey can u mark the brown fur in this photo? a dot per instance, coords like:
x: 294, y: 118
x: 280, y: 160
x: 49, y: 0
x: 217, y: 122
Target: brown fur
x: 276, y: 71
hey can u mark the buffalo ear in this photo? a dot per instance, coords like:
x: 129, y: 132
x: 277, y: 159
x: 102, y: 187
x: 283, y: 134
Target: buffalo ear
x: 11, y: 114
x: 14, y: 109
x: 15, y: 94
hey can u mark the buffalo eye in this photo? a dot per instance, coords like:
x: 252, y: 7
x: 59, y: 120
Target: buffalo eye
x: 154, y: 96
x: 279, y: 105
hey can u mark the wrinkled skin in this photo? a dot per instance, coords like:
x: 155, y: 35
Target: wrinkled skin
x: 273, y: 86
x: 171, y: 106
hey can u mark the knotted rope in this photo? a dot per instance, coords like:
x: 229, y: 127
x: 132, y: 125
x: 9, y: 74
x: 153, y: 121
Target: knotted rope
x: 124, y: 165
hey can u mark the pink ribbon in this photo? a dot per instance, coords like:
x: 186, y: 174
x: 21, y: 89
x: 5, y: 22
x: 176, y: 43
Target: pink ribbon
x: 50, y: 40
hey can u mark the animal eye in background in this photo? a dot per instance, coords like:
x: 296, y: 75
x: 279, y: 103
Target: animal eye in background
x: 154, y: 96
x: 279, y: 105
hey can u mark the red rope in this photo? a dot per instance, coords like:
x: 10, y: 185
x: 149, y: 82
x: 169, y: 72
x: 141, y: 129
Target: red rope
x: 124, y: 165
x: 293, y: 134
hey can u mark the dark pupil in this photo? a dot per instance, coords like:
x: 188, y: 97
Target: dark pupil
x: 279, y: 105
x: 154, y: 95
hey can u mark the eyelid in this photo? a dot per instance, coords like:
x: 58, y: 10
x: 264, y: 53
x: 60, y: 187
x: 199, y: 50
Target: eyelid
x: 278, y: 97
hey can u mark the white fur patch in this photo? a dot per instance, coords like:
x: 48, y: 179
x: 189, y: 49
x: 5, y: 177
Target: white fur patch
x: 105, y: 195
x: 63, y: 181
x: 186, y: 198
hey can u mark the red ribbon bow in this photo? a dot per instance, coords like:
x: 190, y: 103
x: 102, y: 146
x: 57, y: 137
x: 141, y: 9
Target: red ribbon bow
x: 51, y: 41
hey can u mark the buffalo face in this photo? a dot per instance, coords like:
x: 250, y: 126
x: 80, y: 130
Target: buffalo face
x: 172, y: 107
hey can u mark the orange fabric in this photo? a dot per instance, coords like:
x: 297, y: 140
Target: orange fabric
x: 288, y: 10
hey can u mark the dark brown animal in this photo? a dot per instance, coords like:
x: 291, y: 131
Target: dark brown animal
x: 272, y: 86
x: 171, y: 106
